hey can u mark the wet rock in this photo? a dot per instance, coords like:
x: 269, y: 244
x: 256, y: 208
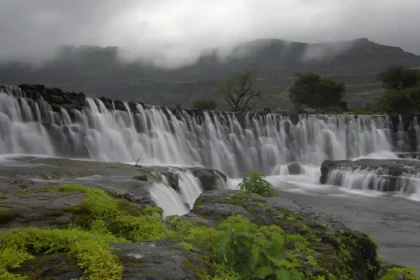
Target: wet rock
x: 172, y: 179
x: 295, y: 168
x: 119, y: 105
x: 210, y: 179
x: 56, y: 267
x: 57, y: 99
x: 392, y: 174
x: 331, y: 235
x: 158, y: 260
x: 141, y: 177
x: 26, y: 206
x: 56, y: 107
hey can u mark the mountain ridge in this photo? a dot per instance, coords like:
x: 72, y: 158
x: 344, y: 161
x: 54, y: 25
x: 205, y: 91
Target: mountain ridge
x: 98, y: 71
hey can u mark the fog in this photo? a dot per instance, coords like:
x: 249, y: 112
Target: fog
x: 172, y: 33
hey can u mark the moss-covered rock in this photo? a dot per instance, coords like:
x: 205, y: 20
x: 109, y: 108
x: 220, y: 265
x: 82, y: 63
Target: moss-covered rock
x: 336, y: 251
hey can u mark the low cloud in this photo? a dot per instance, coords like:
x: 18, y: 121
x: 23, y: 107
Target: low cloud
x: 172, y: 33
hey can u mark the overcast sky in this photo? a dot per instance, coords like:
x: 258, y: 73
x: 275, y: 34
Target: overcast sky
x: 175, y: 32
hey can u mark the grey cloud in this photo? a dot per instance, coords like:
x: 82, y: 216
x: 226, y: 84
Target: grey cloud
x: 175, y: 32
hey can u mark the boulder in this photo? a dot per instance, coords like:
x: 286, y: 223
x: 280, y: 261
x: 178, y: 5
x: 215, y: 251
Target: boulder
x: 210, y: 179
x: 57, y: 267
x: 295, y: 168
x: 332, y: 240
x: 158, y: 260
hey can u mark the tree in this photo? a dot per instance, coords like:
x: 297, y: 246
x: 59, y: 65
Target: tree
x: 399, y: 78
x: 316, y: 91
x: 205, y: 105
x: 238, y: 91
x: 405, y: 101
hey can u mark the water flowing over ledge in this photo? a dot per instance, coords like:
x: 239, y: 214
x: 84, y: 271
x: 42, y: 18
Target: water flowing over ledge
x: 233, y: 143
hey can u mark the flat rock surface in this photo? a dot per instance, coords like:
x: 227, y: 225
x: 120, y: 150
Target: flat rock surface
x: 159, y: 260
x: 394, y: 223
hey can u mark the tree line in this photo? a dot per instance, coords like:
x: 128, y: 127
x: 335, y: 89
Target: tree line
x: 401, y: 96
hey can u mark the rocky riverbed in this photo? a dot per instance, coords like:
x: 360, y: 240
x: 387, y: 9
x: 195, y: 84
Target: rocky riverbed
x: 49, y: 203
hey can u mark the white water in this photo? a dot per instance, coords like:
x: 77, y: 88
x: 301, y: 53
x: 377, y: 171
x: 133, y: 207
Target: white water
x: 157, y: 136
x: 221, y: 141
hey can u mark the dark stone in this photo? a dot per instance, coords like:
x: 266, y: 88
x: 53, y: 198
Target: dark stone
x: 132, y: 105
x: 57, y: 99
x: 56, y: 107
x: 57, y: 267
x: 158, y: 260
x: 295, y: 168
x: 173, y: 180
x: 141, y: 177
x: 210, y: 179
x: 119, y: 105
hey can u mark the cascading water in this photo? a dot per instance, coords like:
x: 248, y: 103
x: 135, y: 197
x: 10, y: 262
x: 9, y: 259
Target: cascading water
x: 370, y: 180
x: 221, y: 141
x: 233, y: 143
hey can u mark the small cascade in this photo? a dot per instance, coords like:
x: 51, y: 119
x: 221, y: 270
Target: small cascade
x: 168, y: 200
x: 232, y: 143
x: 374, y: 180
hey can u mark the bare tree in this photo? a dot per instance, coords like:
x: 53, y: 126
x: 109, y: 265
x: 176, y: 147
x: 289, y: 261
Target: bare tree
x: 238, y: 91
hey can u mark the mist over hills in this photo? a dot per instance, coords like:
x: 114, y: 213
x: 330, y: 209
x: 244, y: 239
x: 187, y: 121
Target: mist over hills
x: 105, y: 71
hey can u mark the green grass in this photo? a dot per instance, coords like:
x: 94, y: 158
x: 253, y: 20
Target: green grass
x: 236, y: 249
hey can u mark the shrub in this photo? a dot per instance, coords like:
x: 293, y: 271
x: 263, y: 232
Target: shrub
x: 205, y: 105
x: 240, y: 247
x: 254, y: 182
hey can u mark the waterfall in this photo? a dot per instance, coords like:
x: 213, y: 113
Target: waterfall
x: 229, y: 142
x: 365, y: 180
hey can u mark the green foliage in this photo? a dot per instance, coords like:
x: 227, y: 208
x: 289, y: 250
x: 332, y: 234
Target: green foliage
x: 399, y: 78
x: 107, y: 223
x: 3, y: 197
x: 90, y: 249
x: 254, y: 182
x: 238, y: 91
x: 399, y: 273
x: 405, y: 101
x: 205, y: 105
x: 101, y: 205
x: 141, y: 228
x: 317, y: 92
x: 252, y: 252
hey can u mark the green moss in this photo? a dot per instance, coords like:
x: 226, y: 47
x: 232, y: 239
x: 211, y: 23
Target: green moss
x: 139, y: 228
x: 46, y: 162
x: 25, y: 191
x: 3, y: 197
x: 90, y: 249
x: 101, y: 219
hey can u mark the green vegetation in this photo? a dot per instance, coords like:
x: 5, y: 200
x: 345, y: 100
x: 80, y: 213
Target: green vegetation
x: 399, y: 78
x: 2, y: 197
x: 254, y: 182
x: 25, y: 191
x: 403, y: 90
x: 205, y: 105
x: 46, y: 162
x: 238, y: 91
x: 317, y: 92
x: 237, y: 249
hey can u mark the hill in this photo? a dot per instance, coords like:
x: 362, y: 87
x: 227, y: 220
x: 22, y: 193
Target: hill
x: 99, y: 72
